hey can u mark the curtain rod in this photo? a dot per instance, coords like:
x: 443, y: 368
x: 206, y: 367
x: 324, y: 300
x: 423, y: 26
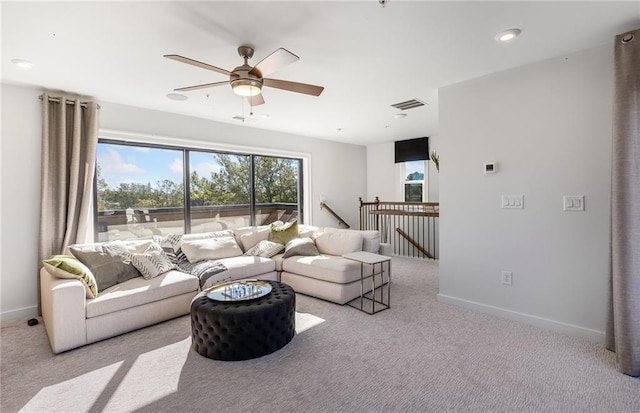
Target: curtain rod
x: 69, y: 102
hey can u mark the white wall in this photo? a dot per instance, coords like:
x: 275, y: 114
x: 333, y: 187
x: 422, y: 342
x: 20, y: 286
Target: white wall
x: 338, y: 173
x: 381, y: 173
x: 20, y: 189
x: 548, y: 126
x: 434, y: 176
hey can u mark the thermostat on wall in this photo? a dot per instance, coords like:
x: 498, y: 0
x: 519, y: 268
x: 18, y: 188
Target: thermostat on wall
x: 490, y: 168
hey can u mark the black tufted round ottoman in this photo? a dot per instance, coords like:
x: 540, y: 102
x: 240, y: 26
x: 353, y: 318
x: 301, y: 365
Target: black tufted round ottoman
x: 243, y: 330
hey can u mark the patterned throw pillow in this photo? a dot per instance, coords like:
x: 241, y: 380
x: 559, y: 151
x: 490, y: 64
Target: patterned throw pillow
x: 283, y: 233
x: 66, y: 266
x: 152, y: 262
x: 265, y: 249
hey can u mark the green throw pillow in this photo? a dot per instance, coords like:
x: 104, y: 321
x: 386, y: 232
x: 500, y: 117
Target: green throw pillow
x: 283, y: 233
x: 66, y: 266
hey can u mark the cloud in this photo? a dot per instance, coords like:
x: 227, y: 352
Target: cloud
x: 112, y: 161
x: 206, y: 168
x: 176, y: 166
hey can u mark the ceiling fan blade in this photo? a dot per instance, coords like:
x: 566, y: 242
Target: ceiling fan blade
x: 294, y: 86
x: 202, y: 86
x: 256, y: 100
x: 192, y: 62
x: 275, y: 61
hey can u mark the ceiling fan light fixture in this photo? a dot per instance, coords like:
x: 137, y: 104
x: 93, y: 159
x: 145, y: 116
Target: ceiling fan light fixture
x: 246, y: 87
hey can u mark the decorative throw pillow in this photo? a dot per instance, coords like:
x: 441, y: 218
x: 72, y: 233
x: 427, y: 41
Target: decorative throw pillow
x: 265, y: 249
x: 300, y: 246
x: 211, y: 248
x: 283, y: 233
x: 339, y: 242
x: 167, y: 247
x: 109, y: 262
x: 66, y: 266
x: 152, y: 262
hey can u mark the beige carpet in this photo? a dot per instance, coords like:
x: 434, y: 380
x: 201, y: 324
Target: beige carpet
x: 419, y: 356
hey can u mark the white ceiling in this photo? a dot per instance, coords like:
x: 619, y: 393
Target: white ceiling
x: 367, y: 57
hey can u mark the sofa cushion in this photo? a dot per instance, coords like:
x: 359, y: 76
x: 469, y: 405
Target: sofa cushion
x: 66, y: 266
x: 265, y: 249
x: 248, y: 237
x: 152, y: 262
x: 283, y: 233
x: 338, y: 242
x: 211, y: 248
x: 300, y: 246
x: 139, y: 291
x: 324, y: 267
x: 247, y: 266
x: 371, y: 241
x: 172, y: 243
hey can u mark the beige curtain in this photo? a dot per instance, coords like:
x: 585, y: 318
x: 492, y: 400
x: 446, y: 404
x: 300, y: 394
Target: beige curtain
x: 69, y: 141
x: 623, y: 329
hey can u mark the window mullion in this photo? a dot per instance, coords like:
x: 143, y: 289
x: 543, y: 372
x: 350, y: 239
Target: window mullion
x: 186, y: 179
x: 252, y: 190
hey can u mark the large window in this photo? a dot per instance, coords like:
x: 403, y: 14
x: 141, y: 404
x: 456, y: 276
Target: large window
x: 142, y: 190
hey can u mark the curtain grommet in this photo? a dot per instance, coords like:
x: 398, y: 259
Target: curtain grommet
x: 627, y: 38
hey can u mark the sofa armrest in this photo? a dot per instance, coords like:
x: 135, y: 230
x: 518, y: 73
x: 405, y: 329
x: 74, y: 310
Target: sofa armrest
x: 63, y: 304
x: 385, y: 249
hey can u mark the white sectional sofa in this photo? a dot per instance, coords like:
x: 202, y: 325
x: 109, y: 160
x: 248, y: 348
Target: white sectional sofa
x: 73, y: 319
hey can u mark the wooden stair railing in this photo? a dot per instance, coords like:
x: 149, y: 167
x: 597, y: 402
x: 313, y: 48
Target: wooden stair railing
x: 414, y: 243
x: 323, y: 205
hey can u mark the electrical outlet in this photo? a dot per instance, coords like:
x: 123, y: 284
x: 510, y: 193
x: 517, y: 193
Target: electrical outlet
x: 507, y: 277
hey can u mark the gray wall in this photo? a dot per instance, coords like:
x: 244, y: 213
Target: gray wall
x: 548, y: 126
x: 338, y: 174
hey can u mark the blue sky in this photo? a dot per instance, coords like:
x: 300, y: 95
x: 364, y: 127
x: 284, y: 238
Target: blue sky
x: 128, y: 164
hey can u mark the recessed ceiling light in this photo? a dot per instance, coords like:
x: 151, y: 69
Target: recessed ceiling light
x: 23, y: 64
x: 264, y: 116
x: 400, y: 115
x: 507, y: 35
x: 176, y: 96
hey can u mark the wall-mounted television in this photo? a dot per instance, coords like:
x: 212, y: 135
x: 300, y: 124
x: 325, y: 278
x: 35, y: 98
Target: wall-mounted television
x: 412, y: 150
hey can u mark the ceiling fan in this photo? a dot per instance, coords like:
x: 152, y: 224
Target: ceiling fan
x: 248, y: 81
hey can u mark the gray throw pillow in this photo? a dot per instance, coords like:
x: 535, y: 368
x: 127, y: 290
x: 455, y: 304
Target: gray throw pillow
x: 110, y: 263
x: 300, y: 246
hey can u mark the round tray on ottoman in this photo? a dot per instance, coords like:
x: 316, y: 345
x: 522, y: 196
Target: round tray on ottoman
x: 242, y: 330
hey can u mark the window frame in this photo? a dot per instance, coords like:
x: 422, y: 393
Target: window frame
x: 402, y: 174
x: 187, y: 145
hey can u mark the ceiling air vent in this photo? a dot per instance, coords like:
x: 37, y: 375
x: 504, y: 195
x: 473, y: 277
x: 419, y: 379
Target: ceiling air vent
x: 409, y: 104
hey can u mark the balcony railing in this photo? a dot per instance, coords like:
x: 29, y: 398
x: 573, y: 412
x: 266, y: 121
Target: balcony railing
x: 412, y: 228
x: 143, y: 223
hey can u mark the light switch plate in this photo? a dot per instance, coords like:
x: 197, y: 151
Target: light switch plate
x: 512, y: 201
x: 573, y: 203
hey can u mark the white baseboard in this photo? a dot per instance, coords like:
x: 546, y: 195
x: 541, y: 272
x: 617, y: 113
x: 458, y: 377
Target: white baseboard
x: 25, y: 312
x: 558, y: 326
